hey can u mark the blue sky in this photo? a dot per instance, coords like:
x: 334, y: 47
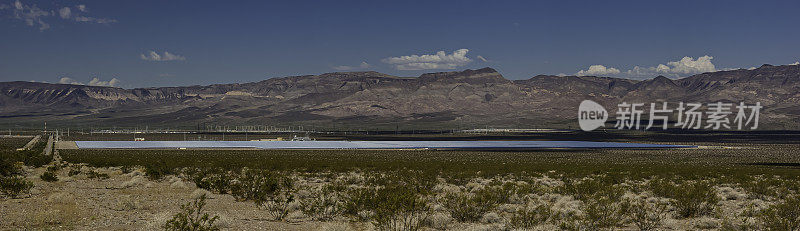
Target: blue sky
x: 226, y: 42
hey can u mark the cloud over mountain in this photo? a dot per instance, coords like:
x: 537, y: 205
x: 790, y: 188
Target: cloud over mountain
x: 685, y: 66
x: 94, y: 82
x: 440, y: 60
x: 598, y: 70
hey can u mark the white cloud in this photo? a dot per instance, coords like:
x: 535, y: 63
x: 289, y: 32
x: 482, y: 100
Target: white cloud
x: 688, y: 65
x: 482, y: 58
x: 67, y: 80
x: 97, y: 82
x: 30, y: 14
x: 65, y: 12
x: 34, y: 16
x: 685, y: 66
x: 94, y: 82
x: 154, y: 56
x: 363, y: 65
x: 440, y: 60
x: 94, y: 20
x: 598, y: 70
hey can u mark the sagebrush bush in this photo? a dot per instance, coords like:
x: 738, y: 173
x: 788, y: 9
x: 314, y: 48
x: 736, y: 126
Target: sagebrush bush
x: 73, y: 172
x: 192, y: 217
x: 357, y: 200
x: 32, y: 157
x: 49, y: 176
x: 220, y: 183
x: 277, y: 203
x: 54, y: 167
x: 399, y: 208
x: 255, y: 185
x: 690, y: 198
x: 784, y: 215
x: 94, y: 174
x: 762, y: 187
x: 14, y: 186
x: 467, y: 207
x: 593, y: 187
x: 604, y: 212
x: 9, y: 167
x: 158, y: 170
x: 322, y: 204
x: 530, y: 216
x: 647, y: 216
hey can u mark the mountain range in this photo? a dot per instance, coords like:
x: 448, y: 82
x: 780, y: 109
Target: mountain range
x: 371, y: 100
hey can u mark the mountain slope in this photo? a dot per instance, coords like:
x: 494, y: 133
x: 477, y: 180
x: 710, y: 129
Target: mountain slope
x: 480, y: 97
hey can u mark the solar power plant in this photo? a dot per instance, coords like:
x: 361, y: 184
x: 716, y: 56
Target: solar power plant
x: 364, y: 145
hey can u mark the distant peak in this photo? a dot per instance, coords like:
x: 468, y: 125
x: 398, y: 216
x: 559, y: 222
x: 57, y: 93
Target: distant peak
x: 486, y: 74
x: 486, y: 70
x: 766, y: 65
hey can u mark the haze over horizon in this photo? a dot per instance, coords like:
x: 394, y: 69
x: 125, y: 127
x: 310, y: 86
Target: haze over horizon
x: 155, y: 43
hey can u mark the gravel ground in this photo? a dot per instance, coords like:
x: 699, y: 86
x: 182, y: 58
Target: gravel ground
x: 124, y: 202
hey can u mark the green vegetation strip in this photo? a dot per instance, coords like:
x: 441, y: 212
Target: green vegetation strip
x: 772, y: 160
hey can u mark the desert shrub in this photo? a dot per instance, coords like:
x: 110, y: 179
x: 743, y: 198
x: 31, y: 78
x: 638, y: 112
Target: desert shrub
x: 73, y: 172
x: 466, y: 207
x: 604, y: 212
x: 647, y: 216
x: 573, y: 222
x: 762, y: 187
x: 212, y: 179
x: 531, y: 188
x: 255, y: 185
x: 590, y: 188
x: 277, y: 203
x: 126, y: 169
x: 530, y: 216
x: 399, y: 208
x: 357, y: 200
x: 737, y: 224
x: 197, y: 176
x: 14, y: 186
x: 220, y: 183
x: 419, y: 181
x: 9, y: 167
x: 54, y: 168
x: 32, y: 157
x: 192, y: 217
x: 784, y: 215
x: 94, y: 174
x: 322, y: 204
x: 502, y: 192
x: 49, y: 176
x: 690, y: 198
x: 158, y: 170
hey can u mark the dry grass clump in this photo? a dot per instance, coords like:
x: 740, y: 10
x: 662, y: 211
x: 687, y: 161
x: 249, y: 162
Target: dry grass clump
x: 192, y: 217
x: 61, y: 210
